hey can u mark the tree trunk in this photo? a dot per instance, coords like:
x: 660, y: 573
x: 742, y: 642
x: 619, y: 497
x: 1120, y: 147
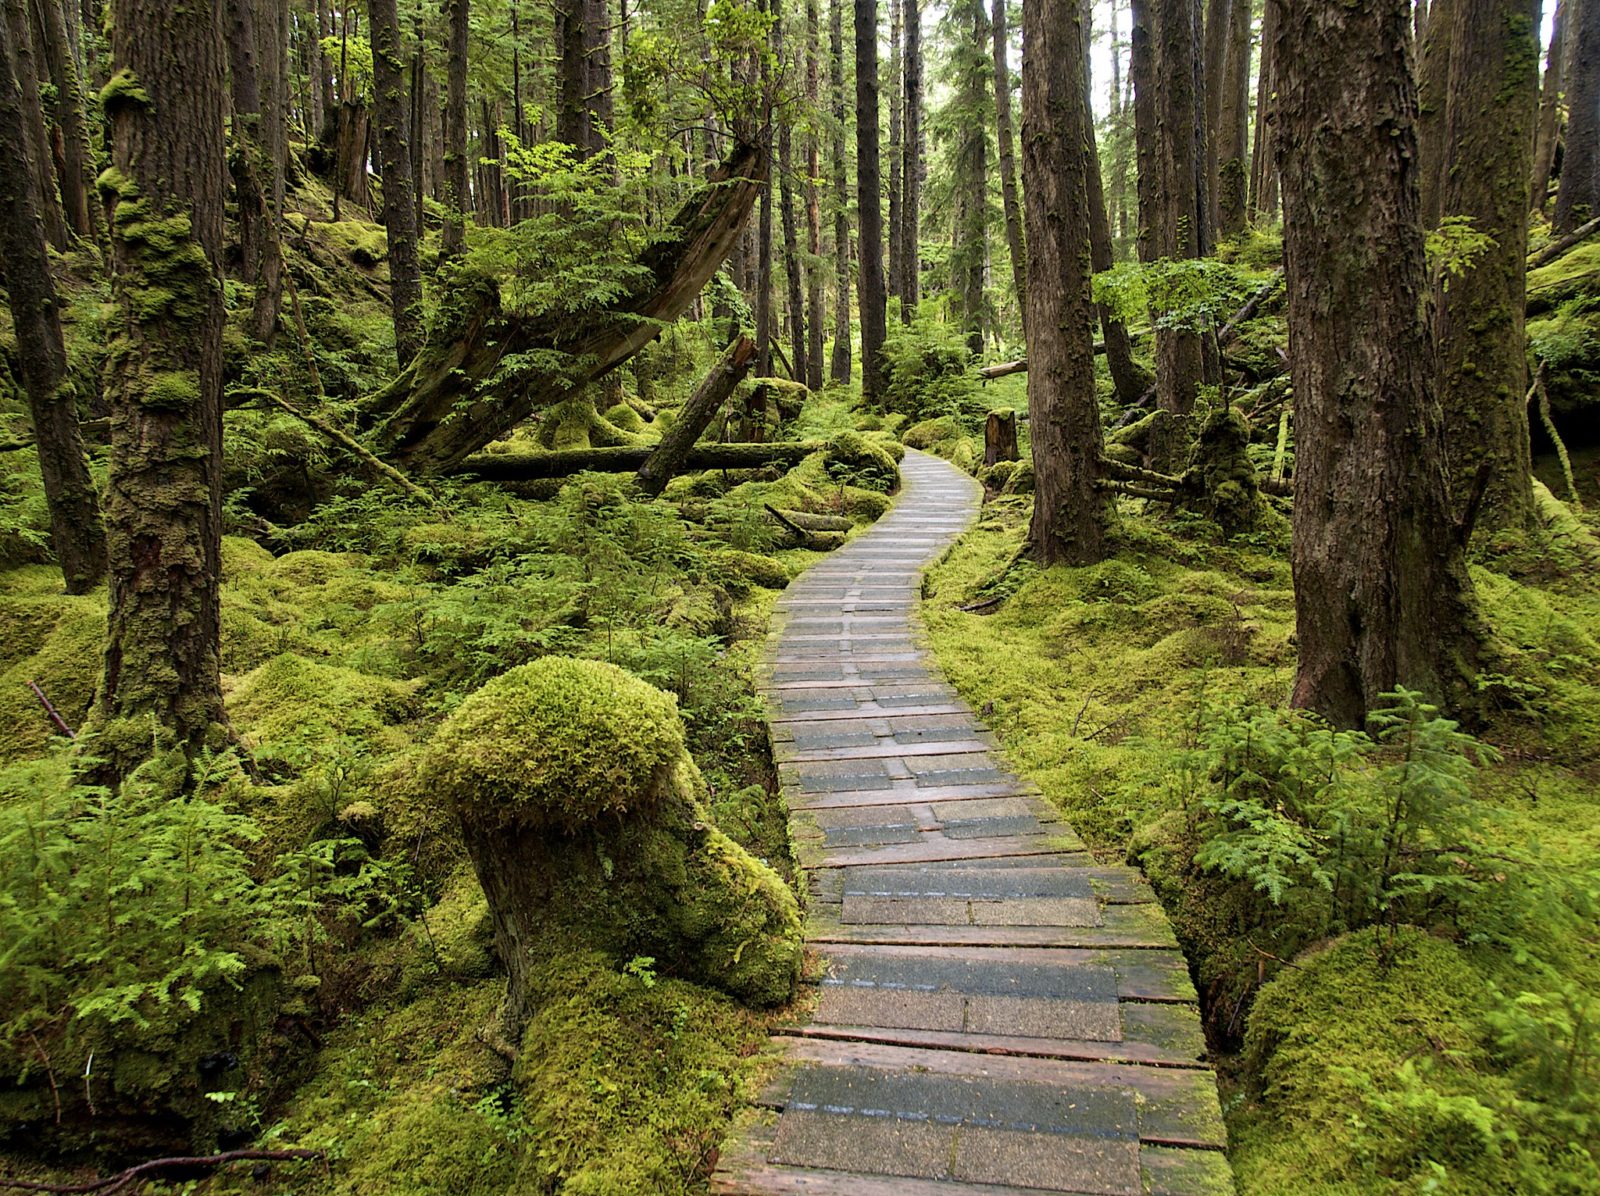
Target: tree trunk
x: 1233, y: 143
x: 76, y: 174
x: 1479, y: 331
x: 1071, y: 516
x: 668, y: 459
x: 794, y: 284
x: 453, y: 241
x: 814, y: 303
x: 1263, y: 170
x: 839, y: 367
x: 1217, y: 27
x: 273, y: 35
x: 24, y: 64
x: 250, y: 161
x: 1008, y: 162
x: 1142, y: 74
x: 1433, y: 91
x: 911, y: 168
x: 399, y: 180
x: 165, y: 195
x: 869, y: 201
x: 1548, y: 133
x: 1000, y: 437
x: 1578, y: 197
x: 896, y: 156
x: 526, y: 466
x: 1382, y: 596
x: 75, y: 530
x: 971, y: 250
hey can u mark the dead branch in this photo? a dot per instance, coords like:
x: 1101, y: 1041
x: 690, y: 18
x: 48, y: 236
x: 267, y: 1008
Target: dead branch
x: 115, y: 1183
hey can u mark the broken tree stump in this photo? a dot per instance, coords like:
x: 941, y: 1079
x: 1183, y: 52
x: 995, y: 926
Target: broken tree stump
x: 1000, y: 437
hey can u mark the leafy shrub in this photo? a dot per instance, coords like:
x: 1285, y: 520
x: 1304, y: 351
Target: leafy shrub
x: 931, y: 373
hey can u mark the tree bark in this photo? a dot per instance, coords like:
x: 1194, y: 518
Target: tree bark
x: 399, y: 179
x: 869, y: 202
x: 1233, y: 115
x: 896, y: 156
x: 274, y: 137
x: 1382, y: 596
x: 24, y: 65
x: 165, y: 197
x: 1263, y: 170
x: 970, y: 252
x: 1071, y: 516
x: 1000, y: 437
x: 77, y: 173
x: 839, y: 367
x: 1479, y: 330
x: 1008, y: 162
x: 250, y: 162
x: 911, y: 168
x: 453, y: 242
x: 1217, y: 28
x: 1578, y: 197
x: 75, y: 530
x: 814, y: 302
x: 668, y: 459
x: 1433, y: 91
x: 1142, y: 73
x: 794, y: 282
x: 1548, y: 135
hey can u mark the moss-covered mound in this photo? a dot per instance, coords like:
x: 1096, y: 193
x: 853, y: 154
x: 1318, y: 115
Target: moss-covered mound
x: 556, y: 744
x: 861, y: 461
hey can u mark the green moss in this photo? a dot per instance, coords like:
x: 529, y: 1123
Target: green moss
x: 292, y: 705
x: 171, y: 390
x: 742, y: 570
x: 67, y: 637
x: 123, y: 89
x: 930, y: 431
x: 556, y: 743
x: 854, y: 459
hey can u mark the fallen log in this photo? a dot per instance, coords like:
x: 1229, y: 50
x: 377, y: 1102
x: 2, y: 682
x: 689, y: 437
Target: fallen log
x: 667, y: 460
x: 483, y: 371
x: 806, y: 521
x: 525, y: 466
x: 1556, y: 248
x: 819, y: 540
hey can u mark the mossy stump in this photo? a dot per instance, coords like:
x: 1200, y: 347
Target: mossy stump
x: 586, y: 822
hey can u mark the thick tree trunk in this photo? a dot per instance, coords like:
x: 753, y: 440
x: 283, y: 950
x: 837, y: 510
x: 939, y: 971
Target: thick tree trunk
x: 453, y: 241
x: 971, y: 250
x: 75, y: 529
x: 839, y: 367
x: 1233, y: 115
x: 869, y: 202
x: 1479, y: 333
x: 1578, y: 197
x: 1381, y: 591
x: 814, y: 302
x: 1217, y: 27
x: 399, y: 179
x: 24, y: 65
x: 461, y: 393
x: 1071, y: 516
x: 1008, y: 162
x: 1548, y: 135
x: 76, y: 173
x: 250, y: 162
x: 668, y: 459
x: 1433, y: 91
x: 165, y: 194
x: 911, y: 168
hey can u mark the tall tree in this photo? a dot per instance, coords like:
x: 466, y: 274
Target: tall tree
x: 75, y: 529
x: 165, y: 195
x: 76, y: 170
x: 1433, y: 91
x: 251, y: 40
x: 1382, y: 596
x: 896, y: 156
x: 1218, y: 22
x: 454, y: 236
x: 1008, y: 161
x: 1071, y: 515
x: 1263, y: 168
x: 1479, y: 332
x: 1233, y: 120
x: 399, y: 180
x: 1578, y: 197
x: 839, y: 366
x: 912, y: 167
x: 793, y: 282
x: 814, y: 304
x: 24, y: 65
x: 969, y: 257
x: 869, y: 203
x: 274, y: 133
x: 1548, y: 135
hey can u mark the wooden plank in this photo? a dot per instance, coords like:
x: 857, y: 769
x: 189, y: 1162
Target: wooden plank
x: 1126, y: 1051
x: 910, y: 793
x: 1116, y: 930
x: 936, y: 849
x: 1158, y: 975
x: 869, y: 710
x: 889, y: 750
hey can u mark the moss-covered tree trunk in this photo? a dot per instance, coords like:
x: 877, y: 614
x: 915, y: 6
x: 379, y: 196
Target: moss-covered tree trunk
x: 75, y: 529
x: 839, y: 365
x: 869, y: 204
x: 1233, y: 120
x: 25, y: 70
x: 76, y: 163
x: 454, y: 237
x: 1548, y: 135
x: 1006, y: 150
x: 399, y: 180
x: 1071, y: 517
x: 911, y: 169
x: 1382, y: 596
x: 1578, y: 197
x: 1479, y: 330
x: 164, y: 196
x: 1433, y: 90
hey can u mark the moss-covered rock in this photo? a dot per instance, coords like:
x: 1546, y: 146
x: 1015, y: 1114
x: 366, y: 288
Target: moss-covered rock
x: 739, y: 571
x: 66, y: 636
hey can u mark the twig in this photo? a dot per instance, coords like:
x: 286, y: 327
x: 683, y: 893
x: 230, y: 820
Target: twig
x: 49, y: 1073
x: 51, y: 710
x: 972, y: 607
x: 1539, y: 389
x: 122, y: 1179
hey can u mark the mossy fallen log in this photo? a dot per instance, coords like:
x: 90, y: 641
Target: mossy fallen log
x: 527, y: 466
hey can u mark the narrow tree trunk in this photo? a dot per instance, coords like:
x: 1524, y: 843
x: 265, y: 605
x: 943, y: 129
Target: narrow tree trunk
x: 399, y: 180
x: 1382, y: 596
x: 1071, y: 516
x: 165, y: 196
x: 454, y: 241
x: 869, y: 202
x: 1578, y: 197
x: 1549, y: 127
x: 1263, y: 170
x: 24, y: 64
x: 896, y: 276
x: 1233, y: 143
x: 1479, y: 334
x: 814, y: 304
x: 1218, y: 25
x: 839, y: 367
x: 794, y: 285
x: 911, y: 168
x: 76, y: 533
x: 76, y: 174
x: 668, y: 459
x: 970, y: 252
x: 1433, y: 91
x: 1142, y: 73
x: 1008, y: 163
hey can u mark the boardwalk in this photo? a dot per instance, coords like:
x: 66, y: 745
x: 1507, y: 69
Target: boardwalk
x: 999, y: 1014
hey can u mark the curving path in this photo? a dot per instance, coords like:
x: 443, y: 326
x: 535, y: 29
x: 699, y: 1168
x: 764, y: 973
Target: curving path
x: 999, y: 1014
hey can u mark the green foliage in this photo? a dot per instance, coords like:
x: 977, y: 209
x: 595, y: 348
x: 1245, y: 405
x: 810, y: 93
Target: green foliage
x: 856, y: 460
x: 1192, y: 294
x: 1454, y: 247
x: 930, y: 374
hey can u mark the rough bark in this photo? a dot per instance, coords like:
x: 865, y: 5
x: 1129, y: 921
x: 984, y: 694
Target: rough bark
x: 273, y: 31
x: 1548, y: 134
x: 794, y: 282
x: 1263, y: 170
x: 1218, y: 25
x: 1233, y: 117
x: 896, y: 275
x: 839, y: 366
x: 911, y: 169
x: 249, y: 160
x: 869, y: 203
x: 1433, y: 90
x: 25, y: 68
x: 399, y: 179
x: 970, y: 253
x: 814, y: 302
x: 668, y: 459
x: 1142, y: 74
x: 1008, y: 162
x: 1479, y: 326
x: 1071, y: 516
x: 1578, y: 197
x: 1000, y: 437
x: 76, y: 174
x: 75, y: 529
x: 1381, y: 591
x: 459, y: 394
x: 454, y: 236
x: 165, y: 196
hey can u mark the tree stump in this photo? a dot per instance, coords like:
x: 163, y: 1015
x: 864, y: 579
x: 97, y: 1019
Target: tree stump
x: 1000, y: 437
x: 586, y: 822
